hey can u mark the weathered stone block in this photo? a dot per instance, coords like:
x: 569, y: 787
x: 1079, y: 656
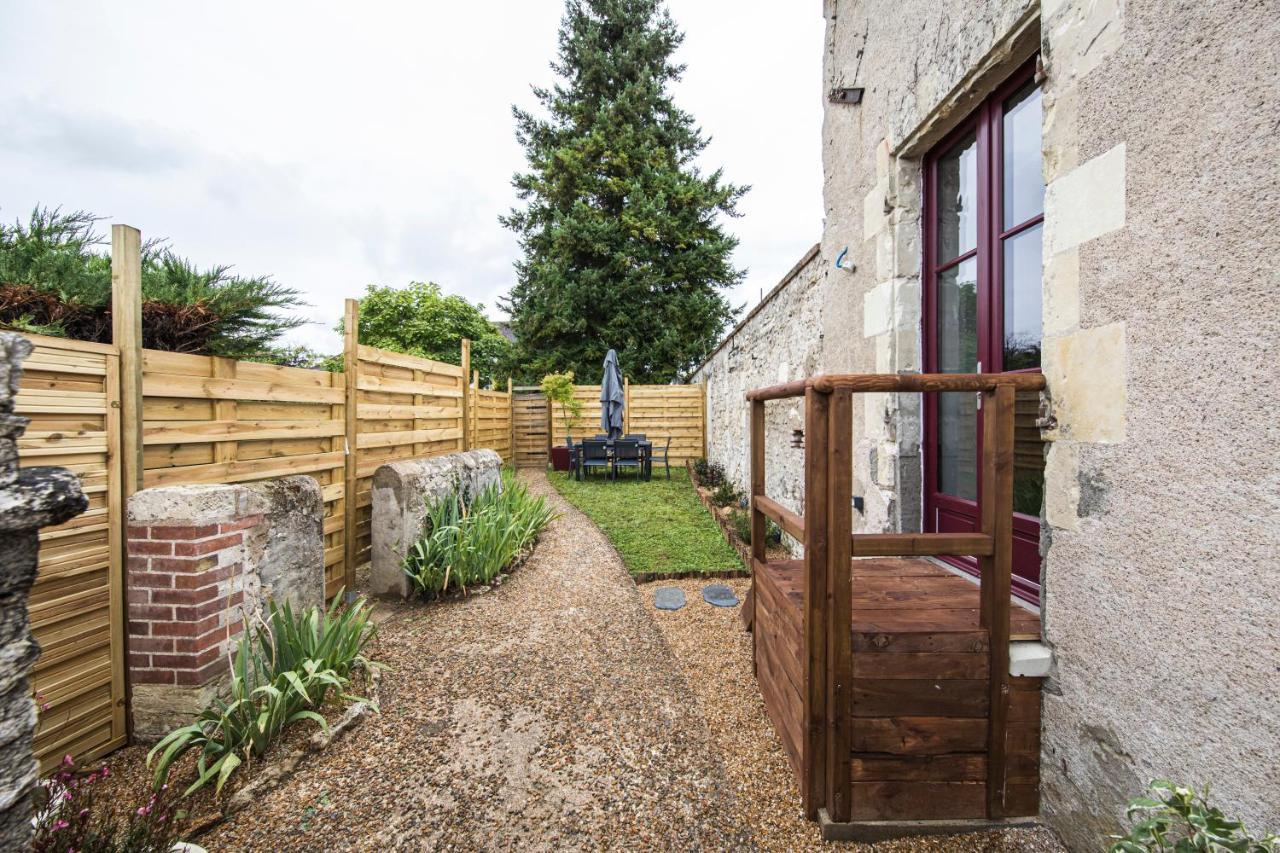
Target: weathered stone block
x: 292, y: 563
x: 402, y: 492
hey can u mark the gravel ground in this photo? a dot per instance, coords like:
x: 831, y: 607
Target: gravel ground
x: 714, y: 653
x: 545, y: 714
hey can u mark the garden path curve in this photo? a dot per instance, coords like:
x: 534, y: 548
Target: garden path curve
x: 545, y: 714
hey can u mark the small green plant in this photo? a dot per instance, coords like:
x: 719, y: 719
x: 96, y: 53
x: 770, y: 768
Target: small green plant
x: 72, y: 817
x: 281, y: 674
x: 742, y: 528
x: 709, y: 474
x: 1179, y: 819
x: 558, y: 389
x: 726, y: 494
x: 467, y: 542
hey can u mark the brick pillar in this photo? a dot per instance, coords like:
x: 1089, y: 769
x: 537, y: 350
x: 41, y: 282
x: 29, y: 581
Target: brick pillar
x: 192, y: 579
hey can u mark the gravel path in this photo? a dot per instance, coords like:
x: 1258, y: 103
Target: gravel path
x: 546, y: 714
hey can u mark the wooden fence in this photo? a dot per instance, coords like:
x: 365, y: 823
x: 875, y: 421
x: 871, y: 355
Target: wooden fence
x: 70, y: 391
x: 125, y: 418
x: 657, y: 411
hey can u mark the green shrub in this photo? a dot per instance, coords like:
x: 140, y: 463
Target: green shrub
x: 467, y: 543
x: 281, y: 673
x: 1177, y: 818
x: 742, y: 527
x: 710, y: 475
x: 726, y: 494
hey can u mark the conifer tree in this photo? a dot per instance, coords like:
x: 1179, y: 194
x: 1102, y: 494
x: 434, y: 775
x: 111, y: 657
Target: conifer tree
x: 621, y: 231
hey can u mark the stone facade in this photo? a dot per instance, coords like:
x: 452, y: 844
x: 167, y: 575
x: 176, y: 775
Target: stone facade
x: 402, y: 492
x: 202, y: 561
x: 774, y: 343
x: 30, y: 498
x: 1159, y: 345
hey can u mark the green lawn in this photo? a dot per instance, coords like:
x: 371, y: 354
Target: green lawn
x: 659, y: 526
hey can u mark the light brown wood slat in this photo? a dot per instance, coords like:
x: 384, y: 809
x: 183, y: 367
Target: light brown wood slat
x: 920, y: 544
x: 789, y: 521
x: 168, y: 385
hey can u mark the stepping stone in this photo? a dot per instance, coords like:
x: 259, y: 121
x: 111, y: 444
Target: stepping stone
x: 668, y: 598
x: 719, y: 595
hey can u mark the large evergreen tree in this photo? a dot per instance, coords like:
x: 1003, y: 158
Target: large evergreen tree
x: 621, y: 233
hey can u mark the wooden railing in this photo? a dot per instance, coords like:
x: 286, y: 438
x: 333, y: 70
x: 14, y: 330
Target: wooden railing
x: 826, y: 530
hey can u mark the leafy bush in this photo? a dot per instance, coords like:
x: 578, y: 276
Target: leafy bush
x: 72, y: 819
x: 558, y: 388
x: 55, y: 279
x: 280, y: 674
x: 742, y: 527
x: 467, y: 542
x: 709, y: 474
x: 1179, y: 819
x: 726, y: 494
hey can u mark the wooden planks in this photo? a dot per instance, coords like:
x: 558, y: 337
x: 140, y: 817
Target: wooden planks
x: 207, y: 419
x: 406, y: 408
x: 657, y: 411
x: 531, y: 421
x: 77, y: 603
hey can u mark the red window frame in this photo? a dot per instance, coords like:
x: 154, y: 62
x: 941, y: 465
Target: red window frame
x: 986, y: 121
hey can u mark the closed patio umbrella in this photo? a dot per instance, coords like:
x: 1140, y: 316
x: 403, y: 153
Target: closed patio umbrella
x: 611, y: 397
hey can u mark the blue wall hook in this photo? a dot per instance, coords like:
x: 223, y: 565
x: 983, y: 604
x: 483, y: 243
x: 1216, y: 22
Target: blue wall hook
x: 840, y: 260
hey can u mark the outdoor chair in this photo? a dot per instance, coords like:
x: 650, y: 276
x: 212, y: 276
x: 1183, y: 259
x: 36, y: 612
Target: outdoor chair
x: 663, y: 456
x: 626, y: 454
x: 593, y: 454
x: 575, y: 451
x: 638, y: 436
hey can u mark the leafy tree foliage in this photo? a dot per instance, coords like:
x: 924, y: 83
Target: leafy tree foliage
x: 55, y: 279
x: 620, y: 230
x: 421, y: 320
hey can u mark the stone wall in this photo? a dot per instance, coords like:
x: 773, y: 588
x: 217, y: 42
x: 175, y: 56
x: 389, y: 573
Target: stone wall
x: 402, y: 493
x: 202, y: 561
x: 1160, y: 518
x: 30, y: 498
x: 775, y: 342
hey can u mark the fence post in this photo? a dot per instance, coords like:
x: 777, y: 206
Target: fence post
x: 813, y: 751
x: 511, y: 422
x: 474, y: 409
x: 626, y: 405
x: 839, y: 605
x: 126, y: 334
x: 466, y: 393
x: 351, y: 374
x: 702, y: 427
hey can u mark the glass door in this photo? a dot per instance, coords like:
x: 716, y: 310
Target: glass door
x: 984, y: 210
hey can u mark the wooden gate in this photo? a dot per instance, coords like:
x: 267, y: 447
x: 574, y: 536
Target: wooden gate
x: 70, y: 391
x: 532, y: 425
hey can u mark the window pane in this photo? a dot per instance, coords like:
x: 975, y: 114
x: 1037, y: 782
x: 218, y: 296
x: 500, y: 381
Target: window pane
x: 958, y: 199
x: 1023, y: 187
x: 957, y: 335
x: 1028, y: 455
x: 1022, y: 273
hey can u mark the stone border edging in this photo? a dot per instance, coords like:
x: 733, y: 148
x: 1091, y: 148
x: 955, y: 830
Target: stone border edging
x: 726, y: 527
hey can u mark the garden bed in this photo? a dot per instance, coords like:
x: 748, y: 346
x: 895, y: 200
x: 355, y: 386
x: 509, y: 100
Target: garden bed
x: 656, y: 526
x: 723, y: 516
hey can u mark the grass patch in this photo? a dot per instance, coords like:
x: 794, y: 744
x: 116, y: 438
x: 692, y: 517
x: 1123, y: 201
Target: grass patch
x: 658, y: 526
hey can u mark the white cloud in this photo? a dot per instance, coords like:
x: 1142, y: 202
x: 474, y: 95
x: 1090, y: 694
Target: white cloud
x: 335, y: 145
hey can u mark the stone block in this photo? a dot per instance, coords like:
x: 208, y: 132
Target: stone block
x: 291, y: 567
x: 402, y: 492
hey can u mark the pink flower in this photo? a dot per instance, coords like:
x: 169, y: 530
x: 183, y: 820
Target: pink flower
x: 143, y: 811
x: 60, y: 824
x: 66, y: 795
x: 105, y: 772
x: 84, y: 813
x: 67, y: 760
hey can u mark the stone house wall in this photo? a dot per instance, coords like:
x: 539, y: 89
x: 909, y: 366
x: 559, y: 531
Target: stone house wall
x: 775, y: 342
x: 1159, y: 532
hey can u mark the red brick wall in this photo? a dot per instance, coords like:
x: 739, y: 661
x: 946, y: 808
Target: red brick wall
x: 185, y: 590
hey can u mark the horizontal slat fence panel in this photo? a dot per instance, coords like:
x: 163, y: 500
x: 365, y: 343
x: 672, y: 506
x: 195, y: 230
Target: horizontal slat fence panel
x: 657, y: 411
x: 660, y: 411
x: 589, y: 397
x: 406, y: 408
x: 215, y: 420
x: 529, y: 411
x: 490, y: 414
x: 70, y: 391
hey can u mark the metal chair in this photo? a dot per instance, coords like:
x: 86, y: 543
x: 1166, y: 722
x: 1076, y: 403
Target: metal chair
x: 662, y: 456
x: 593, y: 454
x: 626, y: 454
x: 575, y: 451
x: 638, y: 436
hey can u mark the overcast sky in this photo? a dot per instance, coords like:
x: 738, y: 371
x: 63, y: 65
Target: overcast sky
x: 333, y: 145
